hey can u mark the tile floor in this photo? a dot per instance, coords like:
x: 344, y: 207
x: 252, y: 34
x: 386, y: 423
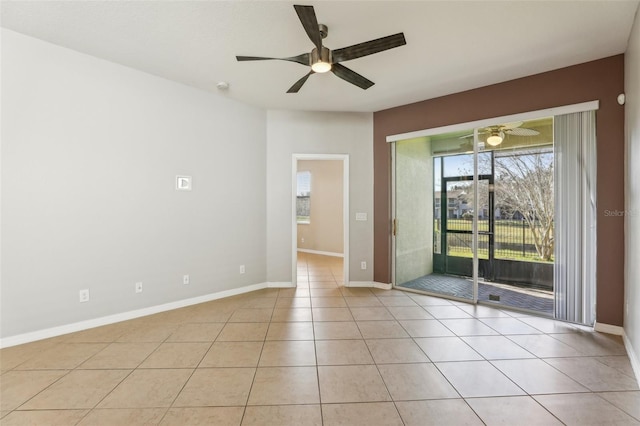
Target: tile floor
x: 323, y: 354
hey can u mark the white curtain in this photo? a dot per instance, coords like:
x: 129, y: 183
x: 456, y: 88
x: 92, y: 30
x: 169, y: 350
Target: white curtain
x: 575, y: 217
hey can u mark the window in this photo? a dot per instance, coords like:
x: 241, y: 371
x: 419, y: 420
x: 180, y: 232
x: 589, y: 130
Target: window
x: 303, y: 197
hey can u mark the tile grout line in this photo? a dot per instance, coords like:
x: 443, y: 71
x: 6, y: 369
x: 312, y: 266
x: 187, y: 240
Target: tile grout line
x: 393, y: 401
x: 171, y: 405
x: 128, y: 375
x: 315, y: 351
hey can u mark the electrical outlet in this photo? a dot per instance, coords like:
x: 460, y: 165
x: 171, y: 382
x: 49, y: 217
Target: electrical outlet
x: 302, y: 240
x: 83, y: 295
x: 185, y: 279
x: 242, y: 269
x: 363, y: 265
x: 139, y: 287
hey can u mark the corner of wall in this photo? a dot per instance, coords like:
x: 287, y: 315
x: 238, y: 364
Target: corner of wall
x: 632, y: 197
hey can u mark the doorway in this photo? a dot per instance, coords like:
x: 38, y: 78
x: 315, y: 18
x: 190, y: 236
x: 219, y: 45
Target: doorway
x: 456, y: 227
x: 470, y: 207
x: 320, y: 206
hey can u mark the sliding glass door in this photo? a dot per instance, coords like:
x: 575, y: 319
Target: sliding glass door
x: 475, y: 222
x: 413, y: 223
x: 503, y: 214
x: 433, y: 217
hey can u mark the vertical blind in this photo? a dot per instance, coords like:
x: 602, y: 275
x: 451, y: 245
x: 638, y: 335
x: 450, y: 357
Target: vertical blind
x: 575, y: 217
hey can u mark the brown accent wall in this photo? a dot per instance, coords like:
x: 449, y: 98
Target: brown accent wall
x: 599, y: 80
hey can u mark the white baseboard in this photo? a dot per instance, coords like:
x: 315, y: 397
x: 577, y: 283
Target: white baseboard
x: 323, y: 253
x: 371, y: 284
x: 619, y: 331
x: 609, y: 329
x: 283, y: 284
x: 633, y: 357
x: 124, y: 316
x: 383, y: 286
x: 359, y: 284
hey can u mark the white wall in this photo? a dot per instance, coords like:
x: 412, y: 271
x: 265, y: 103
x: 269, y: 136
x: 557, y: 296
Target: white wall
x: 300, y: 132
x: 632, y: 194
x: 324, y: 232
x: 90, y: 151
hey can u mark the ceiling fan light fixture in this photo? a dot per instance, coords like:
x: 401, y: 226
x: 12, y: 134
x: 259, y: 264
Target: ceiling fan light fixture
x: 321, y: 67
x: 321, y: 62
x: 495, y: 138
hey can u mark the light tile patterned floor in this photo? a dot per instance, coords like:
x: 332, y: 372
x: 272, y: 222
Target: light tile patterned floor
x: 323, y: 354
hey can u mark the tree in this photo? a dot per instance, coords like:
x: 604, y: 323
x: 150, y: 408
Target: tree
x: 523, y: 187
x: 524, y: 184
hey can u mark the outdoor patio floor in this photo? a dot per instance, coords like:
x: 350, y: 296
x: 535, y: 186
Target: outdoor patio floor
x: 510, y: 295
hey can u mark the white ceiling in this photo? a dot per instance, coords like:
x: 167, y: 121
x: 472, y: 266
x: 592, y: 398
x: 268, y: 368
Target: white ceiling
x: 451, y: 45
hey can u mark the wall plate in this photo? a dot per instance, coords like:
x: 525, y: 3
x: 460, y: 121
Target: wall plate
x: 183, y: 183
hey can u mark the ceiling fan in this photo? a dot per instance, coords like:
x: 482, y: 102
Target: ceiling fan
x: 496, y: 136
x: 498, y: 132
x: 322, y: 59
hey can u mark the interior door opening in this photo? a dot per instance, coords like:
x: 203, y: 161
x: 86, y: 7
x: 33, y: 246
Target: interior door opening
x: 320, y: 243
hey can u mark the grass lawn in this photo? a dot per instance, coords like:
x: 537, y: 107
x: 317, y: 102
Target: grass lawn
x: 506, y: 232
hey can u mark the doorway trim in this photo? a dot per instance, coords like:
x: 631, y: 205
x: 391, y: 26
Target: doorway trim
x: 345, y: 211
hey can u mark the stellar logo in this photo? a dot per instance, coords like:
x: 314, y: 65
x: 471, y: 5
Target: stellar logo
x: 620, y: 213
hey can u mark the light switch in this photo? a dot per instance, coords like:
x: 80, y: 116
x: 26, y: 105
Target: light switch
x: 361, y: 216
x: 183, y: 183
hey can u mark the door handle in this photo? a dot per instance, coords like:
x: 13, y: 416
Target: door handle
x: 395, y: 227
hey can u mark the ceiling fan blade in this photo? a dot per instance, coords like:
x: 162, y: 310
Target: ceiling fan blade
x: 309, y: 21
x: 303, y: 59
x: 253, y: 58
x: 521, y: 131
x: 368, y: 47
x: 351, y: 76
x: 509, y: 126
x: 298, y: 84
